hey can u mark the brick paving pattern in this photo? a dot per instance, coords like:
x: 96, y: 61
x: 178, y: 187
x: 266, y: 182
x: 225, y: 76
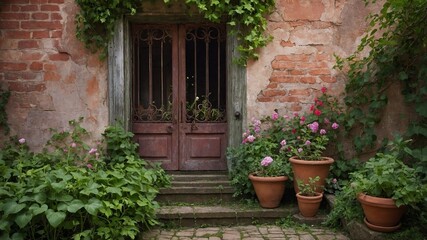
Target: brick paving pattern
x: 244, y: 232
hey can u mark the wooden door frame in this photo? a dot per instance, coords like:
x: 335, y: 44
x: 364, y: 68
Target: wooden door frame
x: 119, y: 79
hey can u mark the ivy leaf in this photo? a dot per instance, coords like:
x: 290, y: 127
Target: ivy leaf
x: 114, y: 190
x: 75, y: 205
x: 36, y: 209
x: 12, y: 207
x: 93, y: 205
x: 23, y: 219
x: 55, y: 218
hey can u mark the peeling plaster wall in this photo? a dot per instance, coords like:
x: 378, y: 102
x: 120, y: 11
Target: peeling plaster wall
x: 299, y: 61
x: 52, y: 78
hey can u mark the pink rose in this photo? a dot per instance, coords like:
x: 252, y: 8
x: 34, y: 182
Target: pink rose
x: 266, y: 161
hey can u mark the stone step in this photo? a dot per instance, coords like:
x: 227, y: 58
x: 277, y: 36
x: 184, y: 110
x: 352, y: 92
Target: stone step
x: 201, y: 187
x: 224, y: 215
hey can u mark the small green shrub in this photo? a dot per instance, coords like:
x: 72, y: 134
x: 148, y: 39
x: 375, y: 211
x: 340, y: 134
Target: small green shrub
x: 69, y: 190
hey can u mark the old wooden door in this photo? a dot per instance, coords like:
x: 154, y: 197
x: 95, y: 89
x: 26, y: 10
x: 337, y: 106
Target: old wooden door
x: 179, y: 96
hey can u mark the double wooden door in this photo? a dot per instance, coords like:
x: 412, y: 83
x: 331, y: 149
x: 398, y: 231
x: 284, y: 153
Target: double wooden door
x: 178, y: 88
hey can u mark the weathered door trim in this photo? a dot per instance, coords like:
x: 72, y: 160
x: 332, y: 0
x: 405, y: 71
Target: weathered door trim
x: 119, y: 83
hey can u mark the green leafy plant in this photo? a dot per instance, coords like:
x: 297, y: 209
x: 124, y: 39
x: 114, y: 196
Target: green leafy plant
x: 96, y: 21
x: 69, y: 190
x: 384, y: 175
x: 310, y: 188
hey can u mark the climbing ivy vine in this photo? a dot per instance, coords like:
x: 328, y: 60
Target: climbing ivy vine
x: 96, y: 21
x: 397, y: 46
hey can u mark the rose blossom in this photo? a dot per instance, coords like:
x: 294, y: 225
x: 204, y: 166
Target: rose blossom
x: 251, y: 138
x: 322, y: 131
x: 324, y: 89
x: 307, y: 142
x: 22, y: 140
x: 73, y: 145
x: 335, y: 125
x: 266, y: 161
x: 274, y: 116
x: 283, y: 142
x: 89, y: 166
x: 314, y: 126
x: 92, y: 150
x: 317, y: 112
x: 299, y: 150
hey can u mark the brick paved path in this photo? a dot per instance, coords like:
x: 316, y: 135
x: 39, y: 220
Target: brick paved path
x: 244, y: 232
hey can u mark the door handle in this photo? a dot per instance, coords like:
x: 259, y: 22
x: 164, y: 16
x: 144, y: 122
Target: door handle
x: 169, y: 129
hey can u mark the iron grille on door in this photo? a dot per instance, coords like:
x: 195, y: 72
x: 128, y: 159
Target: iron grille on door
x: 202, y: 47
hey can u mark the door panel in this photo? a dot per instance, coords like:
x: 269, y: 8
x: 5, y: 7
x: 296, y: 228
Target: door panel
x: 179, y: 95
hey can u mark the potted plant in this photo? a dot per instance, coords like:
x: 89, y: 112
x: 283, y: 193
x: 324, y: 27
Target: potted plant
x: 305, y: 139
x: 256, y: 164
x: 385, y: 186
x: 308, y: 197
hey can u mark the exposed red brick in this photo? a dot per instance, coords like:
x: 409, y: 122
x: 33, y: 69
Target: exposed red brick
x: 18, y: 35
x: 20, y: 75
x: 289, y: 99
x: 299, y: 92
x: 15, y: 8
x: 323, y: 57
x: 49, y: 8
x: 53, y: 25
x: 273, y: 93
x: 32, y: 56
x: 296, y: 72
x: 320, y: 71
x: 310, y: 80
x: 14, y: 15
x: 36, y: 66
x: 56, y: 34
x: 272, y: 85
x: 287, y: 44
x: 51, y: 76
x: 41, y: 34
x: 8, y: 66
x: 264, y: 99
x: 59, y: 57
x: 14, y: 1
x: 296, y: 107
x: 38, y: 1
x: 55, y: 16
x: 4, y: 8
x: 328, y: 79
x: 49, y: 67
x: 277, y: 65
x: 284, y: 79
x: 56, y: 1
x: 26, y: 87
x: 29, y: 8
x: 70, y: 78
x: 9, y: 25
x: 293, y: 57
x: 308, y: 65
x: 40, y: 16
x: 23, y: 44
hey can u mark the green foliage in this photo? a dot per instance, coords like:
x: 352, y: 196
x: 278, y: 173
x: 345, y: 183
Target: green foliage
x: 397, y: 45
x: 96, y: 21
x: 384, y: 175
x: 310, y: 188
x: 4, y: 99
x: 70, y: 191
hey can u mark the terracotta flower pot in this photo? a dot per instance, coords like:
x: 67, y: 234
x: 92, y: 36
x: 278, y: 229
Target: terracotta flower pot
x: 309, y: 205
x: 381, y: 214
x: 304, y: 169
x: 269, y: 190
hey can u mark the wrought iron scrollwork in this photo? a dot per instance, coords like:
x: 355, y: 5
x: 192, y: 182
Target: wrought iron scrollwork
x: 153, y: 114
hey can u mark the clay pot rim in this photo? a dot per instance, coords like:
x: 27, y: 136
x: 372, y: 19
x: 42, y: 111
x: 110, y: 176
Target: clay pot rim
x: 323, y: 160
x: 318, y: 195
x: 268, y: 179
x: 372, y: 200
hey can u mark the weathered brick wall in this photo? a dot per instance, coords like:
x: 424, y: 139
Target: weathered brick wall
x: 51, y: 77
x: 299, y: 61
